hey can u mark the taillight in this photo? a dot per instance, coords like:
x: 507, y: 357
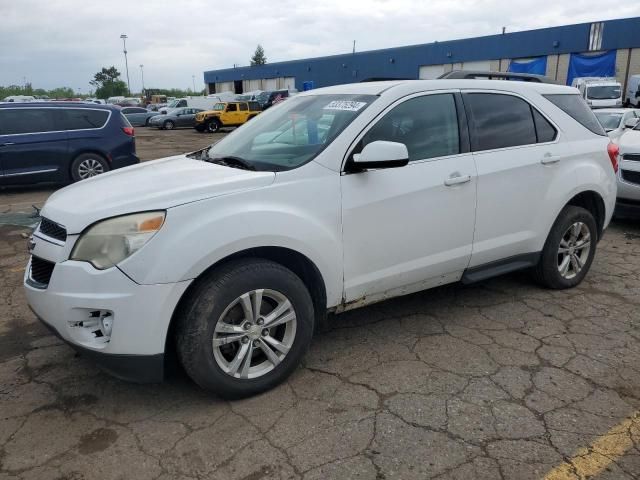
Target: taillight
x: 128, y: 131
x: 613, y: 150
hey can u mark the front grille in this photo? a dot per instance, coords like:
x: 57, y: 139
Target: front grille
x: 632, y: 156
x: 41, y: 270
x: 53, y: 230
x: 630, y: 176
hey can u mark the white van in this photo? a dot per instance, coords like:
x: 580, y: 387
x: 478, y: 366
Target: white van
x: 599, y: 92
x: 19, y: 98
x: 205, y: 103
x: 114, y: 100
x: 633, y: 91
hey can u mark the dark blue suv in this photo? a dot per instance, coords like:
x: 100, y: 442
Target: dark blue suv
x: 62, y: 142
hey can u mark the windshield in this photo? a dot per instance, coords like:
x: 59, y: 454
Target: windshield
x: 218, y: 106
x: 609, y: 121
x: 293, y: 133
x: 603, y: 92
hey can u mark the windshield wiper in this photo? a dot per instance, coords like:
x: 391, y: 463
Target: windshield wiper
x: 232, y: 161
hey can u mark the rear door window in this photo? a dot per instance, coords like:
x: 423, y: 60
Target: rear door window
x: 499, y: 121
x: 81, y: 119
x: 574, y: 106
x: 27, y: 120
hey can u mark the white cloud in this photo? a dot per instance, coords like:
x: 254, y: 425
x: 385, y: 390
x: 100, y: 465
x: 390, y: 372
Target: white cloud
x: 63, y: 43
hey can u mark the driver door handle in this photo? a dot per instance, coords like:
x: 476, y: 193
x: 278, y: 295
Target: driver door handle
x: 457, y: 180
x: 6, y: 144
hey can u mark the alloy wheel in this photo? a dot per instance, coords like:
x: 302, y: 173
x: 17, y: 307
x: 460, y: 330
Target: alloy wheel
x: 574, y: 249
x: 254, y: 334
x: 90, y: 168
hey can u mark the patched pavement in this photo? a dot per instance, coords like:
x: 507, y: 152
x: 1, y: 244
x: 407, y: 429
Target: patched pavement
x: 499, y: 380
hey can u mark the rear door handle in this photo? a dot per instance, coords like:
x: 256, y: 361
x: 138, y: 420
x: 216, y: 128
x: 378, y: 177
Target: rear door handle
x: 457, y: 180
x: 549, y: 159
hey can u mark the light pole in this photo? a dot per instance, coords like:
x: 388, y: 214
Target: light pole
x: 142, y: 73
x: 193, y: 80
x: 126, y: 63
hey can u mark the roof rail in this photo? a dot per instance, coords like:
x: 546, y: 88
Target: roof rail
x: 488, y: 75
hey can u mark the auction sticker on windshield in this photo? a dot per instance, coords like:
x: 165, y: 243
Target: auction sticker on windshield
x: 346, y: 105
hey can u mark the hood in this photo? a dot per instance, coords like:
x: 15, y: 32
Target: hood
x: 154, y: 185
x: 629, y: 141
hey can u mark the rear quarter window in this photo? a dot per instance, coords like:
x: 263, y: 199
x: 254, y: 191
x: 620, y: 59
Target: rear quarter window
x: 81, y: 119
x: 574, y: 106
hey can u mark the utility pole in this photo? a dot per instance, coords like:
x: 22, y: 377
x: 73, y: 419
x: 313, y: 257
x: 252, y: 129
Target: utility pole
x: 193, y: 80
x: 142, y: 73
x: 354, y: 46
x: 126, y: 63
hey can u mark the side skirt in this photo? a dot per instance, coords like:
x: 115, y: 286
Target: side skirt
x: 500, y: 267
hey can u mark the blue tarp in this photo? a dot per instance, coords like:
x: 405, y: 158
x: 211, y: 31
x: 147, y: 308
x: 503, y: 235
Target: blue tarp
x: 537, y: 66
x: 603, y: 65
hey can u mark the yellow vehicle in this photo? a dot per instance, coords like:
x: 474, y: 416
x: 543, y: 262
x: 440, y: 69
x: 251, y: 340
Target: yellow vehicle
x: 158, y: 99
x: 226, y: 114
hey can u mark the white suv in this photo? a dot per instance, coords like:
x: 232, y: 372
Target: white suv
x: 335, y: 199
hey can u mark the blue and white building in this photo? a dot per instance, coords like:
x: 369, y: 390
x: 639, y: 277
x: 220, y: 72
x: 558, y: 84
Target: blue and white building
x: 607, y: 48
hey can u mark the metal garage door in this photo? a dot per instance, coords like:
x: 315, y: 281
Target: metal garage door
x: 270, y: 83
x: 480, y: 65
x: 288, y: 83
x: 224, y: 87
x: 429, y: 72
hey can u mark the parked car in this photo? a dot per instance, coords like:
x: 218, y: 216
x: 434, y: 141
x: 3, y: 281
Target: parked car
x: 138, y: 116
x: 62, y: 142
x: 633, y: 91
x: 94, y: 100
x: 203, y: 103
x: 227, y: 114
x: 629, y: 175
x: 616, y: 120
x: 176, y: 118
x: 234, y: 253
x: 599, y: 92
x: 19, y: 99
x: 268, y: 98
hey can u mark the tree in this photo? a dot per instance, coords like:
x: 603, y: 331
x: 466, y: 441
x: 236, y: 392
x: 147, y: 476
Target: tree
x: 108, y: 83
x: 258, y: 56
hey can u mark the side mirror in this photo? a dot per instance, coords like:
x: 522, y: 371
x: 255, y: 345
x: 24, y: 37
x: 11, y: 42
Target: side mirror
x: 382, y: 154
x: 631, y: 122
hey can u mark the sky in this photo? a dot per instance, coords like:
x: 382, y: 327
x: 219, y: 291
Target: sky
x: 65, y: 42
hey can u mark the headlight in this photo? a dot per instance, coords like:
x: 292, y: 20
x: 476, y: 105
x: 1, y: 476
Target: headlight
x: 110, y: 241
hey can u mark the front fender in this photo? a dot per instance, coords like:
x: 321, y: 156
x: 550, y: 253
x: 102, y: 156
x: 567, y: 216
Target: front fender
x: 301, y: 215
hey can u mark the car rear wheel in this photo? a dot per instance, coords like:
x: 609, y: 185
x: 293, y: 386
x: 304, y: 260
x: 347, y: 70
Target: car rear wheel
x: 569, y: 250
x: 88, y: 165
x: 168, y: 125
x: 214, y: 126
x: 244, y: 328
x: 146, y: 122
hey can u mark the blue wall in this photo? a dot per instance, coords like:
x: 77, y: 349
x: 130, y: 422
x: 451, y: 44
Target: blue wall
x: 404, y: 62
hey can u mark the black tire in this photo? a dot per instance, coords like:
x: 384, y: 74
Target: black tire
x: 168, y: 125
x: 146, y: 122
x: 547, y: 271
x: 199, y: 128
x: 88, y: 165
x: 202, y: 310
x: 214, y: 126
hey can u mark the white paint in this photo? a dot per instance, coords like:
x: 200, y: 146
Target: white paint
x: 372, y: 235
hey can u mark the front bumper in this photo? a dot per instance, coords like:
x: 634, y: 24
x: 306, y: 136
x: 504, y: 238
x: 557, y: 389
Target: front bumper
x: 79, y: 302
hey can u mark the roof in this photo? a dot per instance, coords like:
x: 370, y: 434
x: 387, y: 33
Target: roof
x: 377, y: 88
x: 58, y: 105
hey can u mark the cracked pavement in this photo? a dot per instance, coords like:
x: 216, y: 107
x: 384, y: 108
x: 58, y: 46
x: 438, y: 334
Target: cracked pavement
x: 498, y: 380
x: 501, y: 380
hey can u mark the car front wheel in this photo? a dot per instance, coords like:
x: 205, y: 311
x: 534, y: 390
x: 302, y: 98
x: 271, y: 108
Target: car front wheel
x: 244, y: 328
x: 569, y: 250
x: 213, y: 126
